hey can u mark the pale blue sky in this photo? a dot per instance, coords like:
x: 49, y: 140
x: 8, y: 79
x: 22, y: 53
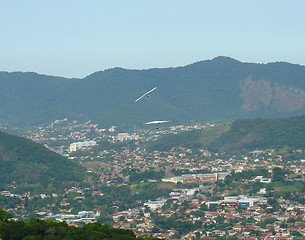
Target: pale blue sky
x: 74, y: 38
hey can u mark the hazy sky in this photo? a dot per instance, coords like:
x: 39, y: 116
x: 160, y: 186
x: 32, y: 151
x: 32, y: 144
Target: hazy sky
x: 74, y: 38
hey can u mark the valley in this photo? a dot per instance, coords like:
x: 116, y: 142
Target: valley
x: 171, y: 193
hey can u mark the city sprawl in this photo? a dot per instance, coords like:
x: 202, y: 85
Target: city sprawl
x: 181, y: 193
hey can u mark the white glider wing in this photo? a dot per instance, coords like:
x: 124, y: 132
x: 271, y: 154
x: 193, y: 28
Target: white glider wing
x: 156, y: 122
x: 145, y: 94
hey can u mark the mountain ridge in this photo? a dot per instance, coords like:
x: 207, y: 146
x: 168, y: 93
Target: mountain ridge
x: 219, y: 89
x: 215, y: 59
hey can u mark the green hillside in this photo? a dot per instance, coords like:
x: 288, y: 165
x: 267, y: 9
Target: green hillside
x: 53, y: 230
x: 29, y: 165
x: 241, y: 135
x: 218, y: 89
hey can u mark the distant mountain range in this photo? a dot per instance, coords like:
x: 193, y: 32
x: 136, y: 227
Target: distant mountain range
x: 241, y: 135
x: 32, y: 167
x: 219, y: 89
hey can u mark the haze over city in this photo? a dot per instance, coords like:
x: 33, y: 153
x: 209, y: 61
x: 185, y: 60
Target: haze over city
x: 147, y: 120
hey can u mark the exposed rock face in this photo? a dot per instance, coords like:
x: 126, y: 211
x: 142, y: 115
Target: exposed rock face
x: 282, y: 98
x: 288, y: 99
x: 255, y: 93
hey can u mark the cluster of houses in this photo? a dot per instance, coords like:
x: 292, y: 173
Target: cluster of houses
x: 287, y: 223
x: 250, y: 222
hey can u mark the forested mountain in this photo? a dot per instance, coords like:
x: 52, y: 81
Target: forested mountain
x: 31, y: 166
x: 218, y: 89
x: 241, y: 136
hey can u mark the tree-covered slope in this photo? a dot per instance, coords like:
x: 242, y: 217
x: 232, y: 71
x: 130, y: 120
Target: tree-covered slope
x: 53, y: 230
x: 217, y: 89
x: 241, y: 135
x: 262, y: 133
x: 30, y: 165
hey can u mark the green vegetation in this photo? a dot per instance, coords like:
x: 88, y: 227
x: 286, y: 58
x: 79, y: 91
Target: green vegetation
x: 248, y: 174
x: 4, y: 216
x: 152, y: 190
x: 50, y: 229
x: 219, y: 89
x: 260, y: 133
x: 281, y: 185
x: 190, y: 139
x: 241, y: 136
x: 33, y: 167
x: 135, y: 177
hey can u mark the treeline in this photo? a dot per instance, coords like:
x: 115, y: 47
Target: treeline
x: 37, y: 229
x: 240, y: 136
x: 262, y: 133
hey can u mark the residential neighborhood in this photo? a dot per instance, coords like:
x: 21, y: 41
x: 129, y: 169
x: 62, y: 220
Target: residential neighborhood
x: 175, y: 194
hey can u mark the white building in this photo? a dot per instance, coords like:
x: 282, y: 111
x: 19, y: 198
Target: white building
x: 81, y: 145
x: 123, y: 136
x: 236, y: 201
x: 153, y: 205
x: 199, y: 178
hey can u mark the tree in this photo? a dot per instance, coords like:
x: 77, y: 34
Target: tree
x: 13, y: 230
x: 278, y: 175
x: 4, y: 216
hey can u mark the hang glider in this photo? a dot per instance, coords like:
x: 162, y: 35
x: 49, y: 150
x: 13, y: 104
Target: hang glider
x: 156, y: 122
x: 146, y: 94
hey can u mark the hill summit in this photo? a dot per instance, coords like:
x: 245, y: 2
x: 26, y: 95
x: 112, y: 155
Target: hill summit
x: 31, y: 166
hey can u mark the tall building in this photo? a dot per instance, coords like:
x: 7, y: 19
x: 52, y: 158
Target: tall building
x: 81, y: 145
